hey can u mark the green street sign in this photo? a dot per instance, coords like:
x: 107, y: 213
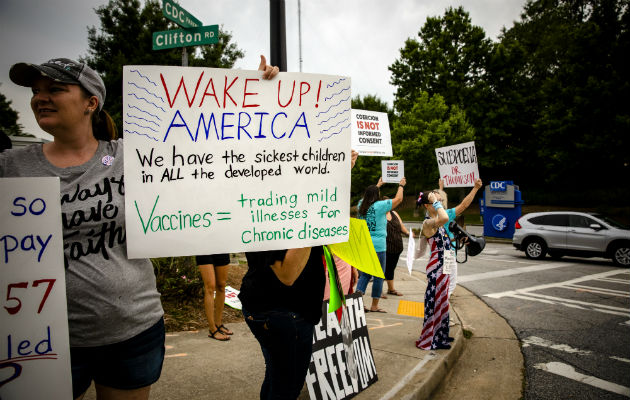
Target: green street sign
x: 186, y: 37
x: 177, y: 14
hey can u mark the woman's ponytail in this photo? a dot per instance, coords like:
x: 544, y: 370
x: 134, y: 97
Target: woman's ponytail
x: 103, y: 126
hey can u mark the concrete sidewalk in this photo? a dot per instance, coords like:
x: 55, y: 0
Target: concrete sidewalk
x: 197, y: 367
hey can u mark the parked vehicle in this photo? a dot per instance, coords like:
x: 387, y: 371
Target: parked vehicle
x: 560, y: 233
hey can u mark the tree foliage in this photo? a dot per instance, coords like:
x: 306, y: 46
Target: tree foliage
x: 125, y: 38
x: 549, y: 102
x: 429, y: 124
x: 9, y: 118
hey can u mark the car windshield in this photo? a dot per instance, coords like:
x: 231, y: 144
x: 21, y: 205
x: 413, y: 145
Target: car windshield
x: 611, y: 222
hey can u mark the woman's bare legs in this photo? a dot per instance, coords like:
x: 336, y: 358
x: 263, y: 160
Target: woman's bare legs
x: 221, y: 274
x: 209, y: 285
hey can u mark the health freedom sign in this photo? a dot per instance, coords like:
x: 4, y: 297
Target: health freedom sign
x: 223, y: 161
x: 458, y: 164
x: 370, y: 133
x: 342, y: 364
x: 34, y: 347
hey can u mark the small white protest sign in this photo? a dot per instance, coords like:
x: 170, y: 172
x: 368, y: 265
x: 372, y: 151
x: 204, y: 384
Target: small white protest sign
x: 370, y: 133
x: 458, y: 164
x: 392, y: 171
x: 34, y: 345
x: 221, y: 160
x: 231, y: 298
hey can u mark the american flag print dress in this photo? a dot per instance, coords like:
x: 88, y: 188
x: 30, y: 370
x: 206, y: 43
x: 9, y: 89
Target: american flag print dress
x: 436, y: 308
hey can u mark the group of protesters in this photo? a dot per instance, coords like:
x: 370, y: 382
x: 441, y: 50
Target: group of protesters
x: 116, y: 327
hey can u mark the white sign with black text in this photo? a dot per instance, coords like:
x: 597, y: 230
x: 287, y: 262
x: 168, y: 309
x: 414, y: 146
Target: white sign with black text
x: 370, y: 133
x: 392, y: 171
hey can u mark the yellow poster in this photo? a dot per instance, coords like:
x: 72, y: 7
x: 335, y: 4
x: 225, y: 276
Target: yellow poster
x: 358, y: 251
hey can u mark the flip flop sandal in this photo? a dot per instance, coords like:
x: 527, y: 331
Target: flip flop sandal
x: 394, y: 292
x: 224, y: 330
x: 378, y: 310
x: 213, y: 335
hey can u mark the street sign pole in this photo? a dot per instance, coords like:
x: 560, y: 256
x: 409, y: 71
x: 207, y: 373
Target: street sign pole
x: 184, y: 57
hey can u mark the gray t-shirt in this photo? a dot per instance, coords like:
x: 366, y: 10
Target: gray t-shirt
x: 110, y: 298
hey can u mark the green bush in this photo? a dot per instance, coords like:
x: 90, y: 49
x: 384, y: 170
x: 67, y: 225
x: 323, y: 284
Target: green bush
x: 178, y: 279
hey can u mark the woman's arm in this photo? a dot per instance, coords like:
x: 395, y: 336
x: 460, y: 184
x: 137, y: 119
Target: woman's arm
x: 403, y: 228
x: 430, y: 226
x: 399, y: 193
x: 461, y: 207
x: 289, y: 269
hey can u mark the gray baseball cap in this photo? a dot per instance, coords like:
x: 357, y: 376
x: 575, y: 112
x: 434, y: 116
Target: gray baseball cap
x: 60, y: 70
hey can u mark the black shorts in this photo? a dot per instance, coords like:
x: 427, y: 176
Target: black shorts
x: 217, y: 260
x: 130, y: 364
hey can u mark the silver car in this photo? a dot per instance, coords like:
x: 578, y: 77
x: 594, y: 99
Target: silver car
x: 578, y: 234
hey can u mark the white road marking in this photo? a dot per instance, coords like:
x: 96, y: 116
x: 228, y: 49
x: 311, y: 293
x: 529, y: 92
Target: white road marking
x: 511, y: 271
x: 550, y: 285
x: 615, y: 280
x: 595, y: 289
x: 581, y: 305
x: 620, y: 359
x: 404, y: 381
x: 568, y: 371
x: 535, y: 340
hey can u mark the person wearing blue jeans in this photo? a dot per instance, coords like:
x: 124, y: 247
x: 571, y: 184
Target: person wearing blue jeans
x: 374, y: 212
x: 282, y: 294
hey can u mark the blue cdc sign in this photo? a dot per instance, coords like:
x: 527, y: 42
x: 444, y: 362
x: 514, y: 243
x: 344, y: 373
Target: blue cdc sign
x: 500, y: 207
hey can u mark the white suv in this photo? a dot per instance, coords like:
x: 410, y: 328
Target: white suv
x: 572, y: 233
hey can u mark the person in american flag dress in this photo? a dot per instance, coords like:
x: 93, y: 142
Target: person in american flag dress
x: 435, y: 327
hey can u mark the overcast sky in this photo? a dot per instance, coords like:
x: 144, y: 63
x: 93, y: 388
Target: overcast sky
x: 356, y: 38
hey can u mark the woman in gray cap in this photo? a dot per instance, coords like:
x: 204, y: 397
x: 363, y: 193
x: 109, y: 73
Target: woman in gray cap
x: 114, y: 310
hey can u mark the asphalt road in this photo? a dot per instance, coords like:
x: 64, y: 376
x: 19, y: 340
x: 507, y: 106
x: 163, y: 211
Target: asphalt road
x: 572, y: 317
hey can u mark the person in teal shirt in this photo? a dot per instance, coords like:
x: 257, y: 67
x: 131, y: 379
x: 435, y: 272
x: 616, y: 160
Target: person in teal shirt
x: 374, y: 212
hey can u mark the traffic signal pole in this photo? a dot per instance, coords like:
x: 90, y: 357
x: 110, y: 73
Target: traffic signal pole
x: 278, y: 34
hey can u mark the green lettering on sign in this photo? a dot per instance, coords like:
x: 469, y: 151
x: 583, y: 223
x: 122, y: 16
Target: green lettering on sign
x: 186, y: 37
x: 177, y: 14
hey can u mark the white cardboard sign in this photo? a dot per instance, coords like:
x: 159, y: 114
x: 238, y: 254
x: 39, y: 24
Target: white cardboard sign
x: 34, y: 346
x: 458, y: 164
x: 370, y: 133
x: 221, y: 160
x: 392, y: 171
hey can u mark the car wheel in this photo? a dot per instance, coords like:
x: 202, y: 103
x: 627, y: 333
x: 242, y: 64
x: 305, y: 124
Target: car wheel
x: 621, y: 255
x: 535, y: 249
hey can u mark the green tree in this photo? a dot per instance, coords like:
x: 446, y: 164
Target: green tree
x: 9, y: 118
x: 574, y: 63
x: 429, y: 124
x: 125, y: 38
x: 448, y: 59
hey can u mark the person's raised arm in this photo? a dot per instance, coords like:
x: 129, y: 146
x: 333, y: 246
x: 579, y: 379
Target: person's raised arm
x: 399, y: 193
x: 432, y: 224
x: 403, y: 228
x: 289, y: 269
x: 461, y: 207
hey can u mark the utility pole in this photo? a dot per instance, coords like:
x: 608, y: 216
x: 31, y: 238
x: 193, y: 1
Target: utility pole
x: 300, y: 32
x: 278, y: 37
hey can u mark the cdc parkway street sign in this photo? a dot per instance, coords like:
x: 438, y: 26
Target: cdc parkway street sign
x: 177, y: 14
x: 186, y: 37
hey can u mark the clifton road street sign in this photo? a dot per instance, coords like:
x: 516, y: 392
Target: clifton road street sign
x: 186, y: 37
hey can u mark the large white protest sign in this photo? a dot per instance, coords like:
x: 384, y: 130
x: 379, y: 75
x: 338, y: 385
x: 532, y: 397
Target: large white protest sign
x: 223, y: 161
x: 392, y: 171
x: 370, y: 133
x: 411, y: 251
x: 34, y: 347
x: 458, y: 164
